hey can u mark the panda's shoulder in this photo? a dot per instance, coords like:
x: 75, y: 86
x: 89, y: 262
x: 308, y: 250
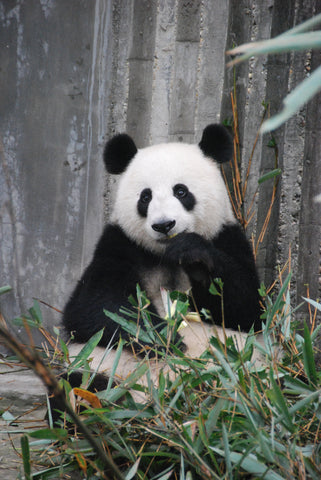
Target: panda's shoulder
x: 232, y: 239
x: 114, y: 239
x: 115, y: 245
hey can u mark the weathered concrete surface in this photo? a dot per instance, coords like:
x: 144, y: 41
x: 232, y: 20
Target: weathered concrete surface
x: 276, y: 89
x: 310, y: 220
x: 23, y: 396
x: 53, y: 87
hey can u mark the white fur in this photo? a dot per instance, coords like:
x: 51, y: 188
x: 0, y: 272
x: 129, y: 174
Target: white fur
x: 196, y: 336
x: 160, y: 168
x: 160, y: 278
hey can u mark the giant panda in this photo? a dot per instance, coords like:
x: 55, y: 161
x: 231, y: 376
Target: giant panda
x: 172, y: 227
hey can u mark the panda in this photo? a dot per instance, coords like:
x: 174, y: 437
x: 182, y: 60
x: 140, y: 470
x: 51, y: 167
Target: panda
x: 172, y: 227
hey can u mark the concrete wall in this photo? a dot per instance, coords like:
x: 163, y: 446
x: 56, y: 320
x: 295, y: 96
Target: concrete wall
x: 74, y: 72
x: 54, y: 89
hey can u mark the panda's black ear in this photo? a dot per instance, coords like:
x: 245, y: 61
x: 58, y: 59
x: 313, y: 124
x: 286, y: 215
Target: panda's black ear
x: 217, y: 143
x: 118, y: 152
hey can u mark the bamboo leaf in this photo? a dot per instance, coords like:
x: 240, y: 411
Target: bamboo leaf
x: 315, y: 304
x: 295, y: 386
x: 128, y: 414
x: 89, y: 397
x: 280, y: 44
x: 279, y: 300
x: 7, y: 416
x: 63, y: 346
x: 250, y: 464
x: 81, y: 462
x: 276, y: 395
x: 130, y: 327
x: 271, y: 174
x: 25, y: 450
x: 5, y: 289
x: 54, y: 472
x: 225, y: 365
x: 214, y: 414
x: 266, y: 448
x: 294, y: 39
x: 307, y: 25
x: 295, y: 100
x: 49, y: 434
x: 132, y: 471
x: 308, y: 356
x: 315, y: 333
x: 86, y: 350
x: 304, y: 402
x: 116, y: 393
x: 115, y: 364
x: 227, y: 455
x: 35, y: 312
x: 165, y: 475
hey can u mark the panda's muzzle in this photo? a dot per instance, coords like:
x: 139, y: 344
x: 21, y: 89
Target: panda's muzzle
x: 164, y: 227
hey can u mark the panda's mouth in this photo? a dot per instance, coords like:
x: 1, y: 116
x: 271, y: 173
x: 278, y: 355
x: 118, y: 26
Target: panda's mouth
x: 163, y: 240
x: 166, y: 238
x: 172, y: 236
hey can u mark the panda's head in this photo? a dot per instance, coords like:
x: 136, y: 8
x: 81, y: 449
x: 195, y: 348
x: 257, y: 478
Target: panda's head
x: 170, y: 188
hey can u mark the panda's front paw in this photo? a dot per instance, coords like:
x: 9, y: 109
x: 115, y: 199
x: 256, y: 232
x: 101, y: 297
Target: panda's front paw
x: 192, y: 252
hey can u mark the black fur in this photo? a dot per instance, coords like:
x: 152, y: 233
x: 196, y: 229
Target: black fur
x: 180, y: 191
x: 228, y: 257
x: 186, y: 197
x: 217, y: 143
x: 116, y: 269
x: 118, y: 153
x: 143, y: 202
x: 107, y: 283
x: 57, y: 407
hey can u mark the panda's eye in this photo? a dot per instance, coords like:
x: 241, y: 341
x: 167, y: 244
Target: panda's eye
x: 146, y: 195
x: 185, y: 196
x: 144, y: 201
x: 180, y: 190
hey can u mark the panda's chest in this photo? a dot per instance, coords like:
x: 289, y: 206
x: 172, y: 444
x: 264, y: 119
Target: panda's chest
x: 157, y: 277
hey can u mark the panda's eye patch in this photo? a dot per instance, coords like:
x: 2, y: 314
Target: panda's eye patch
x: 180, y: 190
x: 143, y: 202
x: 182, y: 193
x: 146, y: 195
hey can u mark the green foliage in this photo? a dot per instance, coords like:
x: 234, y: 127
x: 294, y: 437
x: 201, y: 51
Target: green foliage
x: 33, y: 319
x: 25, y: 450
x: 157, y: 338
x: 294, y: 39
x: 5, y: 289
x: 221, y: 416
x: 248, y: 426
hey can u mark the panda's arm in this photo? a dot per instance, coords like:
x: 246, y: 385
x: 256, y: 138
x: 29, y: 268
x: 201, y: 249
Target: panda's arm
x: 228, y: 257
x: 108, y: 281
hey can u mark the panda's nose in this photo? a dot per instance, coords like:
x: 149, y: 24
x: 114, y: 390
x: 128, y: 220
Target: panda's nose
x: 163, y: 227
